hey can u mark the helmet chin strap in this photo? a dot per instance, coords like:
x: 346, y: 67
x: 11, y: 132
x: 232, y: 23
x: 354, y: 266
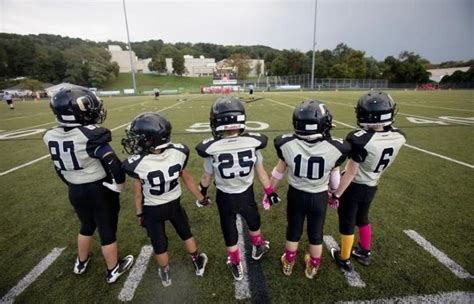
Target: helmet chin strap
x: 310, y: 137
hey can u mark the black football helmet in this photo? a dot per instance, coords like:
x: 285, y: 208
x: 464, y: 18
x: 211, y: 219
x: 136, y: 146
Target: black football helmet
x: 148, y: 132
x: 77, y: 106
x: 227, y: 113
x: 312, y: 119
x: 375, y: 108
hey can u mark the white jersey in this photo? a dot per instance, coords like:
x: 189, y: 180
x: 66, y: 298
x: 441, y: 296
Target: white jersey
x: 310, y: 163
x: 159, y: 173
x: 73, y: 149
x: 233, y: 160
x: 375, y: 152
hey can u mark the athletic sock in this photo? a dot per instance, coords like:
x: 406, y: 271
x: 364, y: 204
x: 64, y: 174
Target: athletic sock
x: 234, y: 256
x: 257, y: 239
x: 346, y: 246
x: 194, y: 255
x: 365, y: 237
x: 315, y: 261
x: 290, y: 255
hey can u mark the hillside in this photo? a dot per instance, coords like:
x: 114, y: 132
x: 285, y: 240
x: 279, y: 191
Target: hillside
x: 146, y: 82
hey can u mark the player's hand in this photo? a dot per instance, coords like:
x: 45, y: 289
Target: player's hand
x: 141, y: 220
x: 333, y: 200
x: 204, y: 202
x: 270, y: 197
x: 266, y: 203
x: 114, y: 186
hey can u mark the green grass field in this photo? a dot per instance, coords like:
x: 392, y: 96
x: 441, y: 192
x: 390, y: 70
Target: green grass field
x: 432, y: 195
x: 147, y: 82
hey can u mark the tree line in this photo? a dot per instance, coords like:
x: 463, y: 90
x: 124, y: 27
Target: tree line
x: 53, y: 58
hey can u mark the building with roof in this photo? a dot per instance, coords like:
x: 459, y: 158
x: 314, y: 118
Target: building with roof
x: 122, y: 57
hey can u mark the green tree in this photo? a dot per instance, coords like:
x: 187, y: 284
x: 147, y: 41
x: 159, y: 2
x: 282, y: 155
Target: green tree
x: 32, y: 85
x: 178, y: 64
x: 158, y: 64
x: 241, y: 62
x: 279, y: 66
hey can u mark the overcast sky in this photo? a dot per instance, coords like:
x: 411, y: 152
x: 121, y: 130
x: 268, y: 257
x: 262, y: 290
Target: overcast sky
x: 439, y: 30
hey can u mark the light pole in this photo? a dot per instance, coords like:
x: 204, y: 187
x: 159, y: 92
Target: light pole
x: 130, y: 51
x: 314, y: 41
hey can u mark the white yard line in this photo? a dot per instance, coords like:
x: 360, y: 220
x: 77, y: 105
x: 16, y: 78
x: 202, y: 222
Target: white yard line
x: 446, y: 297
x: 136, y: 274
x: 353, y: 277
x: 47, y: 155
x: 10, y: 296
x: 20, y: 117
x: 24, y: 165
x: 406, y: 145
x: 242, y: 288
x: 439, y: 255
x: 433, y: 107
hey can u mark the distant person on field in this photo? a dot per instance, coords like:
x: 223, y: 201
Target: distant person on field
x: 251, y: 90
x: 9, y: 99
x: 157, y: 165
x: 374, y: 148
x: 84, y: 160
x: 157, y: 93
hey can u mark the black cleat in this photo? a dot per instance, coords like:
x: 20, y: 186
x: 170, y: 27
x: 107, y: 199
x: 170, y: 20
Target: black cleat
x: 236, y: 269
x: 80, y: 267
x: 344, y: 265
x: 200, y: 264
x: 122, y: 266
x: 259, y: 251
x: 165, y: 276
x: 362, y: 255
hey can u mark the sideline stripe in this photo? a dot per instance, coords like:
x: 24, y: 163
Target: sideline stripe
x: 447, y: 297
x: 136, y: 274
x: 47, y: 155
x: 24, y: 165
x: 439, y: 255
x: 31, y: 276
x: 407, y: 145
x: 20, y: 117
x: 242, y: 288
x: 353, y: 278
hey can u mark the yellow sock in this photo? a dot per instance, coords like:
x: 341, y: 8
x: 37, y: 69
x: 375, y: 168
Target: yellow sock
x: 346, y: 246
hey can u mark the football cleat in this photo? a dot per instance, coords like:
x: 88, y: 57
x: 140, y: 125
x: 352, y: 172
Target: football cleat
x: 259, y: 251
x: 362, y: 255
x: 286, y: 266
x: 344, y: 265
x: 236, y: 270
x: 122, y: 266
x: 200, y: 264
x: 165, y: 276
x: 80, y: 267
x: 310, y: 271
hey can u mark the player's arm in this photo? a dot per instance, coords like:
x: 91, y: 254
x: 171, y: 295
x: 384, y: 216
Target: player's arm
x: 202, y: 198
x: 351, y: 170
x: 138, y: 200
x: 61, y: 176
x: 277, y: 173
x: 110, y: 160
x: 270, y: 196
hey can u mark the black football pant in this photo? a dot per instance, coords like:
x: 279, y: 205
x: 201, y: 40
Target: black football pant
x: 155, y: 218
x: 97, y: 207
x: 354, y: 207
x: 303, y: 205
x: 229, y: 206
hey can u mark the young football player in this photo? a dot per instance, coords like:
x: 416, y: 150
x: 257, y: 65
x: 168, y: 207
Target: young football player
x: 374, y: 148
x: 312, y: 158
x: 233, y: 157
x: 156, y: 165
x: 84, y: 160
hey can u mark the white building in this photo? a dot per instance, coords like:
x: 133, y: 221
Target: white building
x: 123, y: 59
x: 195, y: 67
